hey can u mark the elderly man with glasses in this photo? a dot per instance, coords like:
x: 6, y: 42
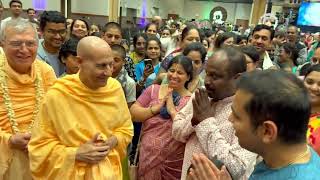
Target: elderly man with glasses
x: 23, y: 82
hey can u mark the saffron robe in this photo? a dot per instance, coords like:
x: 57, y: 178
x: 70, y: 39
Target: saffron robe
x: 71, y: 115
x: 14, y: 163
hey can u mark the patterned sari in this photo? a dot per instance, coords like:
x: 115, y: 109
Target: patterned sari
x: 313, y: 133
x: 161, y: 156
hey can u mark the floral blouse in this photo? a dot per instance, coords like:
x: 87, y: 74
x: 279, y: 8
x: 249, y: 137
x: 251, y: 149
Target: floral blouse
x: 313, y: 133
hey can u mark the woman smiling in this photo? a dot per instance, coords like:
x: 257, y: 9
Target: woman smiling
x: 161, y: 156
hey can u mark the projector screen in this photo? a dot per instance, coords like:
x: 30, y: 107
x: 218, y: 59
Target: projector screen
x: 309, y: 14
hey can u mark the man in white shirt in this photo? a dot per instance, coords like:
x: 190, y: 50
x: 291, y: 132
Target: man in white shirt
x: 15, y: 9
x: 261, y: 40
x: 203, y: 123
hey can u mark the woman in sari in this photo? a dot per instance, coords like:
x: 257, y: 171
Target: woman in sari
x: 197, y: 53
x: 161, y: 156
x: 312, y: 82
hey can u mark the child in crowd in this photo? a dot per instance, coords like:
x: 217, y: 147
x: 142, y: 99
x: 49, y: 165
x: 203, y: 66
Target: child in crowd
x: 119, y: 73
x: 68, y: 56
x: 128, y: 85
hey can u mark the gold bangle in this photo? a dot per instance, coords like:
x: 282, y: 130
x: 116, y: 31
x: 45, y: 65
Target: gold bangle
x: 151, y: 110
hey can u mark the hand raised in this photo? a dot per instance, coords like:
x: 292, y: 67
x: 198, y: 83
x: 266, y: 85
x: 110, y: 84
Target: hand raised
x: 202, y: 107
x: 157, y: 107
x: 93, y: 151
x: 204, y: 169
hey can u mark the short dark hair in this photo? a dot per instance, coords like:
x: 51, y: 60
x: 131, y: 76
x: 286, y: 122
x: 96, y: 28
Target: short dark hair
x: 304, y: 69
x: 120, y: 49
x: 280, y: 97
x: 186, y: 31
x: 292, y: 49
x: 15, y: 1
x: 51, y: 16
x: 280, y: 34
x: 222, y: 37
x: 136, y: 37
x: 237, y: 60
x: 252, y: 52
x: 110, y: 25
x: 196, y: 46
x: 219, y: 29
x: 295, y: 27
x: 239, y: 38
x: 260, y: 27
x: 150, y: 24
x: 30, y: 9
x: 208, y: 32
x: 68, y: 48
x: 312, y: 68
x: 186, y: 63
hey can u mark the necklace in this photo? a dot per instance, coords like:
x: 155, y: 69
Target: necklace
x: 7, y: 99
x: 296, y: 159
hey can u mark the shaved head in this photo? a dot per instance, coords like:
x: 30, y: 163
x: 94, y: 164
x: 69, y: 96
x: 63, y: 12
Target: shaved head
x: 157, y: 18
x: 88, y: 47
x: 96, y: 61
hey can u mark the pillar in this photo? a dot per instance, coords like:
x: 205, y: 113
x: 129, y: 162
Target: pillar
x: 258, y: 9
x: 114, y: 10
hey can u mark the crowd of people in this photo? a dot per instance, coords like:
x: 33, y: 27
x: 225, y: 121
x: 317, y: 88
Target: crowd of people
x: 182, y: 103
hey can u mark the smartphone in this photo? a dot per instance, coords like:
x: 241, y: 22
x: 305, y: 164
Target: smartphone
x: 148, y: 64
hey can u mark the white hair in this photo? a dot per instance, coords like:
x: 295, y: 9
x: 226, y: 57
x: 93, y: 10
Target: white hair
x: 19, y: 26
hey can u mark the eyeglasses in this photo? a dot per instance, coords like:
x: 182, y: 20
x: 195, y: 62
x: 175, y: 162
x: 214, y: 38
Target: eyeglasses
x: 18, y: 44
x: 60, y: 32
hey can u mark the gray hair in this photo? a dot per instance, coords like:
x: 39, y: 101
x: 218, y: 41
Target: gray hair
x: 19, y: 25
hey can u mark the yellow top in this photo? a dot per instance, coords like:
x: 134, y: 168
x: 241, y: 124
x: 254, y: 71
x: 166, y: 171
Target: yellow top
x: 70, y: 116
x: 21, y: 88
x: 135, y: 58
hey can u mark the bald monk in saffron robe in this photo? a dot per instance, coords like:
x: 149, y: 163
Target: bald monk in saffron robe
x: 23, y: 83
x: 84, y: 125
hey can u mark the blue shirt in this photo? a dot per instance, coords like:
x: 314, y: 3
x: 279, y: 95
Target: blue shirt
x: 306, y: 171
x: 51, y: 59
x: 139, y: 73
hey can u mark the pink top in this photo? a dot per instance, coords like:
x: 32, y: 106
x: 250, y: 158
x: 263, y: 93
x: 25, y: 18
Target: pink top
x: 214, y: 136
